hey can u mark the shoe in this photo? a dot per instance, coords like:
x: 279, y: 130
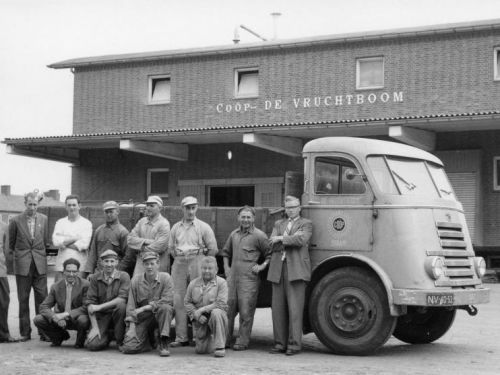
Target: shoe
x: 24, y: 338
x: 178, y: 344
x: 239, y: 347
x: 163, y: 347
x: 78, y: 345
x: 44, y: 338
x: 219, y: 353
x: 8, y: 340
x: 277, y: 350
x: 56, y: 343
x: 292, y: 351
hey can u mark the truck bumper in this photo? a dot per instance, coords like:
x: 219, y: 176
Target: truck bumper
x: 436, y: 298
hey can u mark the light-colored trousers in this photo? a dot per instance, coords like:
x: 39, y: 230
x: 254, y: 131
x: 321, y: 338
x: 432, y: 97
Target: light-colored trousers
x: 211, y: 335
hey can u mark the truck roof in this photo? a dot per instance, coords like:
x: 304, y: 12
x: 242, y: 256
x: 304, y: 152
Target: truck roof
x: 362, y: 147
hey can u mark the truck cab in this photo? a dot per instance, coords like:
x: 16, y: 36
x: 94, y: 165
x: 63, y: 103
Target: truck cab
x: 390, y: 250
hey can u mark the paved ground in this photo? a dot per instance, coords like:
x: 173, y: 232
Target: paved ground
x: 472, y: 346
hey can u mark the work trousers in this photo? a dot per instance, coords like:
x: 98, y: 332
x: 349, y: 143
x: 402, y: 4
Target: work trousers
x: 110, y: 319
x: 4, y: 307
x: 24, y: 284
x: 287, y: 311
x: 211, y: 335
x: 147, y: 323
x: 243, y: 290
x: 184, y: 270
x: 57, y: 334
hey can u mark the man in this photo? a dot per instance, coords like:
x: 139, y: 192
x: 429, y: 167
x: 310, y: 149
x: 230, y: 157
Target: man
x: 149, y: 309
x: 243, y: 249
x: 4, y: 289
x: 67, y: 296
x: 72, y: 236
x: 109, y: 236
x: 289, y: 272
x: 190, y: 240
x: 106, y: 303
x: 28, y: 238
x: 206, y: 306
x: 151, y: 234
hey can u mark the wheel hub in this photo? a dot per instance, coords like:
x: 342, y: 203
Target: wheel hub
x: 350, y: 310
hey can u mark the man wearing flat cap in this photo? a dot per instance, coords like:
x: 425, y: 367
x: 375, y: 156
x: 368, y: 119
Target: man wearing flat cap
x: 151, y: 234
x: 190, y: 240
x: 106, y: 303
x: 149, y: 309
x: 109, y: 236
x: 244, y: 249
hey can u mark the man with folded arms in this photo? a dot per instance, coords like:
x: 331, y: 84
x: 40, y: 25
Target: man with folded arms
x: 106, y: 303
x: 68, y: 296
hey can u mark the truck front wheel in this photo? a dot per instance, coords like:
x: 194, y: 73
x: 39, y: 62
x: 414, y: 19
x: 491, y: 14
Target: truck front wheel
x: 349, y: 311
x: 424, y: 326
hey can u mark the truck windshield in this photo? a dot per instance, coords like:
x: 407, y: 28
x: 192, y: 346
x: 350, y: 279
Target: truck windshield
x: 410, y: 177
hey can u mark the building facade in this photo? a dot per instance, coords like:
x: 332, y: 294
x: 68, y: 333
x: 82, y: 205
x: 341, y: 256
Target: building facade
x: 227, y: 123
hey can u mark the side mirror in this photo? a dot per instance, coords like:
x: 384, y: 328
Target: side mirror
x: 351, y: 174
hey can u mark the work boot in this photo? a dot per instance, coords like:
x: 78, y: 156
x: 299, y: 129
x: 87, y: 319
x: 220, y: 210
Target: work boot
x: 219, y: 352
x: 163, y: 347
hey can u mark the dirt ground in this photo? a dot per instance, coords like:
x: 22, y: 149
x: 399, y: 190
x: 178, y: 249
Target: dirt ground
x: 472, y: 346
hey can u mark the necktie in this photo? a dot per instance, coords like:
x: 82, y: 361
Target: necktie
x: 67, y: 307
x: 287, y: 232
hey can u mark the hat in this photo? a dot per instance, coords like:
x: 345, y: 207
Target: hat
x: 187, y: 201
x: 149, y: 255
x: 109, y: 253
x: 155, y: 199
x: 109, y: 205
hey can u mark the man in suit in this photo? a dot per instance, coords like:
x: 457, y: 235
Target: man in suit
x: 289, y: 272
x: 28, y: 238
x: 67, y: 296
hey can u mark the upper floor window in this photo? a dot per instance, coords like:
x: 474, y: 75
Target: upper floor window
x: 159, y: 89
x: 370, y: 73
x: 246, y: 83
x: 157, y: 182
x: 497, y: 63
x: 335, y: 175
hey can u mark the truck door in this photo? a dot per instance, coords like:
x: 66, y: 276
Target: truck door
x: 340, y: 204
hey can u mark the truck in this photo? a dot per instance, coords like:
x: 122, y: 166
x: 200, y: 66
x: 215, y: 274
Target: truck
x: 390, y: 251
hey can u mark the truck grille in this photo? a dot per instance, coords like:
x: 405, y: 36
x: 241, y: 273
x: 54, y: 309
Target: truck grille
x: 458, y: 261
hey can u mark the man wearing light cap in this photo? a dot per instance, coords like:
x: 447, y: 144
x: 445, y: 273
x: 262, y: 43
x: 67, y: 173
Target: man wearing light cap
x: 109, y: 236
x: 190, y: 240
x: 149, y: 309
x: 106, y: 302
x: 151, y: 234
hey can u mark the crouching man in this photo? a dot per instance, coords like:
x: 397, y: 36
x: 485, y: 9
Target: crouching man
x: 149, y: 309
x: 67, y: 296
x: 206, y: 306
x: 106, y: 301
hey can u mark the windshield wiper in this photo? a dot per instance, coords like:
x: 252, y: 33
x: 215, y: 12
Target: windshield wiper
x: 409, y: 185
x: 446, y: 191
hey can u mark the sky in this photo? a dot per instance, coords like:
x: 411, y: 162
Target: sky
x: 37, y: 101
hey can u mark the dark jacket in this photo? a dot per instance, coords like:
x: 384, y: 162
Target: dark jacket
x: 57, y: 298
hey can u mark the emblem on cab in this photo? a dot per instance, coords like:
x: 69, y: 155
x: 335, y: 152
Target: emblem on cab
x: 338, y: 224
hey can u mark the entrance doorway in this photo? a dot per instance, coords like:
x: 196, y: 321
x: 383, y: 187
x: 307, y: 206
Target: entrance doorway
x: 232, y: 196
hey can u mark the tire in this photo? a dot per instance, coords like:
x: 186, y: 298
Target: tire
x: 349, y: 312
x: 424, y: 327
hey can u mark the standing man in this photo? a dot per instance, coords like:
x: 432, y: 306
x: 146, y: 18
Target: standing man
x: 243, y: 249
x: 4, y: 288
x: 289, y: 272
x: 106, y: 302
x: 206, y: 306
x: 28, y: 238
x: 151, y: 234
x: 149, y: 309
x: 67, y: 296
x: 72, y: 236
x: 109, y: 236
x: 190, y: 240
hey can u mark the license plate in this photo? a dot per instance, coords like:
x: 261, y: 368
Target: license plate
x: 440, y: 299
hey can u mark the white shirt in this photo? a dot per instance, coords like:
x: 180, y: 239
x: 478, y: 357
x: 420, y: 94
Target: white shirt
x: 82, y: 229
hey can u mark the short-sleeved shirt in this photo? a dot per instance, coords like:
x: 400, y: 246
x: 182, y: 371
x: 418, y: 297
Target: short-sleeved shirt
x: 106, y: 237
x: 246, y: 246
x: 100, y: 291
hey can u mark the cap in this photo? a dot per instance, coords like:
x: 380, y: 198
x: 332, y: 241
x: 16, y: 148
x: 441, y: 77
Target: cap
x: 149, y: 255
x: 109, y: 205
x: 109, y: 254
x: 247, y: 208
x: 187, y: 201
x: 155, y: 199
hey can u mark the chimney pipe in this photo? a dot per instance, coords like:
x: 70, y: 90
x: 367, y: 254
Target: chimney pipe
x: 275, y: 16
x: 5, y: 189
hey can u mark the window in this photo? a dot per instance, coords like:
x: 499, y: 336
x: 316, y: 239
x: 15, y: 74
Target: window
x: 159, y: 89
x: 157, y: 183
x: 335, y: 175
x: 496, y: 173
x: 370, y: 73
x: 246, y: 83
x: 496, y: 60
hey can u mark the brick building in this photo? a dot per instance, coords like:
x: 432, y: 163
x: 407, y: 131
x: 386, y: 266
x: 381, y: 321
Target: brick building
x: 226, y: 123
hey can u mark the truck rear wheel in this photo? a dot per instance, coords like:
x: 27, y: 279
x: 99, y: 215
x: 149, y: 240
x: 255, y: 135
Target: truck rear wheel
x: 424, y: 327
x: 349, y: 312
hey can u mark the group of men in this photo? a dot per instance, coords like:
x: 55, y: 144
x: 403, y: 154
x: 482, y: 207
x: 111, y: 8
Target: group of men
x: 95, y: 295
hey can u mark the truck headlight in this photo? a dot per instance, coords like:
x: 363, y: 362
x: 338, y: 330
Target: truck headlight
x: 480, y: 266
x: 434, y: 266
